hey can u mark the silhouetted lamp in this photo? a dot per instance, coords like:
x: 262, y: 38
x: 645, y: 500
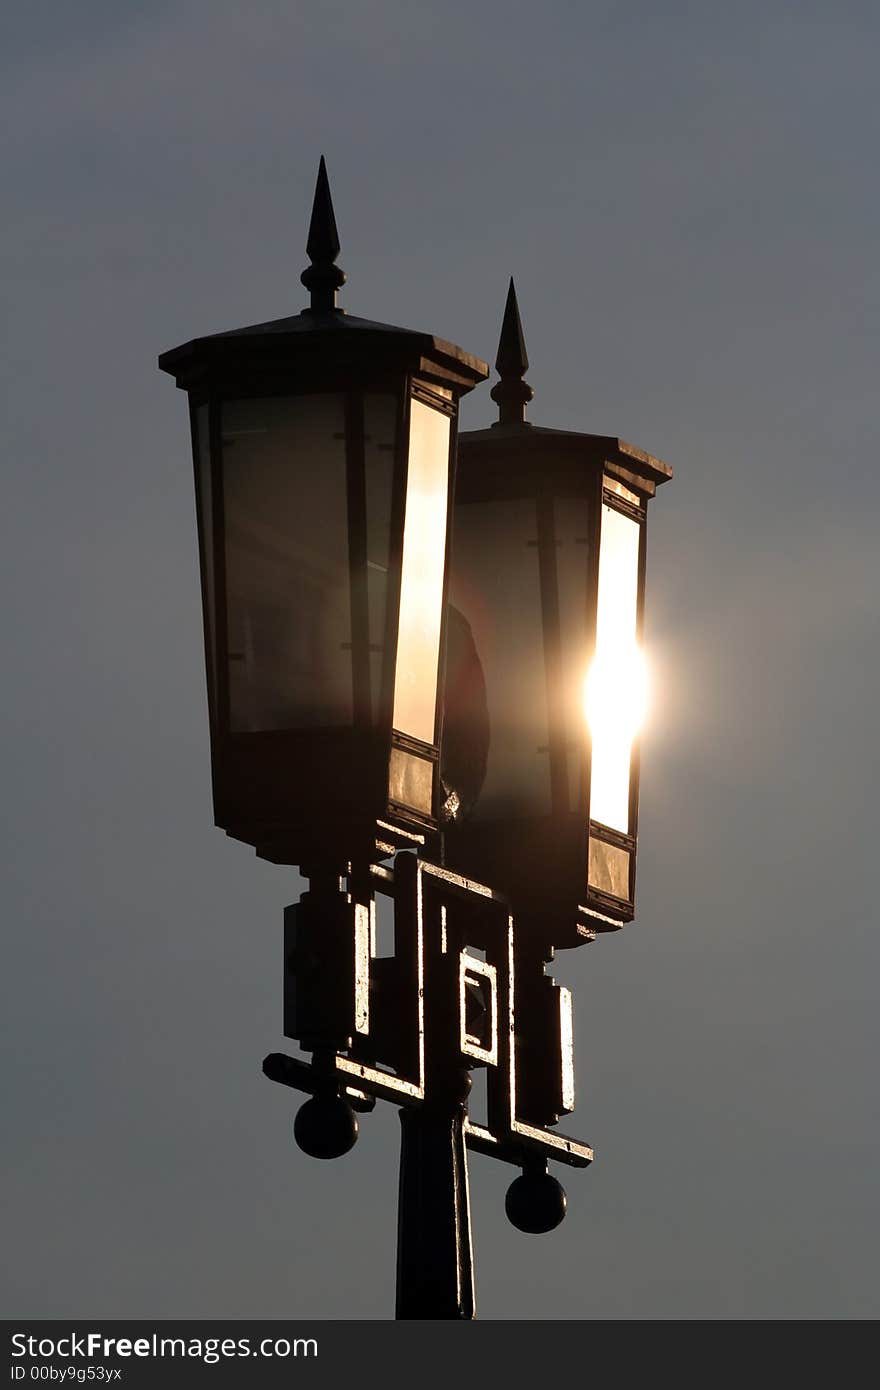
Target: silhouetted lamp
x: 546, y: 680
x: 324, y: 448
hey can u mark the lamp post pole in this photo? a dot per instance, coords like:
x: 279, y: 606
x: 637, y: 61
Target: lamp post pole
x: 435, y: 1266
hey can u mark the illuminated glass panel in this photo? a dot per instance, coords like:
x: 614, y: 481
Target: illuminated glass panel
x: 421, y: 588
x: 411, y: 780
x: 609, y: 868
x: 616, y: 683
x: 287, y: 566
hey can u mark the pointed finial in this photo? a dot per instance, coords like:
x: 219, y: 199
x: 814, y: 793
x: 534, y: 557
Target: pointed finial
x: 322, y: 278
x: 511, y: 393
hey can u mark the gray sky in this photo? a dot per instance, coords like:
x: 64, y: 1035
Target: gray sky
x: 687, y: 196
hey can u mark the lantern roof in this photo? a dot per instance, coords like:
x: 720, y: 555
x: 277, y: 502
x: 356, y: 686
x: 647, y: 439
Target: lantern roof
x: 527, y: 437
x: 516, y: 434
x: 323, y: 329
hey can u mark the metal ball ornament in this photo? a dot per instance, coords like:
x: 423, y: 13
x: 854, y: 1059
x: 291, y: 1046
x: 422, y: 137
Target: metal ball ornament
x: 326, y: 1127
x: 535, y: 1203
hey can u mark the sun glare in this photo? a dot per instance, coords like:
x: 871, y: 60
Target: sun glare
x: 615, y: 704
x: 616, y: 693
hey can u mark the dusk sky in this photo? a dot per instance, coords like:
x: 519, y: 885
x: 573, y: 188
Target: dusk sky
x: 687, y: 197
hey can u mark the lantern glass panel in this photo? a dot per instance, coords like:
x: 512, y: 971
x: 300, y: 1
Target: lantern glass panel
x: 572, y: 548
x: 609, y: 868
x: 411, y: 781
x: 288, y: 607
x: 422, y: 572
x: 496, y: 586
x: 615, y: 686
x: 205, y: 511
x: 380, y: 432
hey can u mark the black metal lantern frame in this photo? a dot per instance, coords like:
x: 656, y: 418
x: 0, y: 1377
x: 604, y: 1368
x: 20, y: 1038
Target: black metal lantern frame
x: 548, y: 582
x: 324, y: 450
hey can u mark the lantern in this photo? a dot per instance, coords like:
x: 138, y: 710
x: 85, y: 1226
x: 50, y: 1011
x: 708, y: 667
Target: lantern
x: 324, y: 450
x: 545, y: 678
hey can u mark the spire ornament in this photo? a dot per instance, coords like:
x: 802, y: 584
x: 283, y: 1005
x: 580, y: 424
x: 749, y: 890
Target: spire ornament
x: 322, y: 278
x: 511, y: 392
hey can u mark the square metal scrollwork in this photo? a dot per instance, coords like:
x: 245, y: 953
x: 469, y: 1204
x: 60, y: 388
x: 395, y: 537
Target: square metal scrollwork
x: 456, y: 984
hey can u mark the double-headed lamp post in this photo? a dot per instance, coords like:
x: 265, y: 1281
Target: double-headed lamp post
x: 405, y: 742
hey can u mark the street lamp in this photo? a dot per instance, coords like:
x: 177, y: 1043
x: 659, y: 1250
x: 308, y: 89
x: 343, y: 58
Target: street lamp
x: 545, y: 677
x: 323, y: 447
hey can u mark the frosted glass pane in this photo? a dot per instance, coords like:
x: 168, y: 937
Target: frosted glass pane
x: 615, y: 689
x: 411, y: 780
x: 287, y: 569
x: 572, y: 549
x: 424, y: 555
x: 609, y: 868
x: 495, y: 584
x: 380, y: 430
